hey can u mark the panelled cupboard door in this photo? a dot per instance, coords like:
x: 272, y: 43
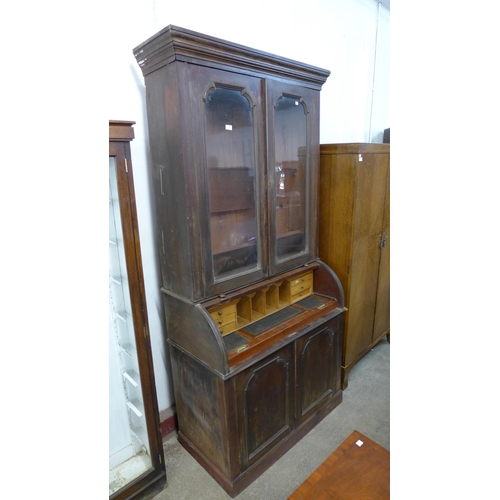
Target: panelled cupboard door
x: 265, y: 395
x: 368, y: 216
x: 318, y: 368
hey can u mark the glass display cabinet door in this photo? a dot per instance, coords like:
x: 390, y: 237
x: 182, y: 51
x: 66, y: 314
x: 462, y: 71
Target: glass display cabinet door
x: 290, y: 140
x: 233, y: 182
x: 135, y: 448
x: 290, y: 166
x: 129, y: 451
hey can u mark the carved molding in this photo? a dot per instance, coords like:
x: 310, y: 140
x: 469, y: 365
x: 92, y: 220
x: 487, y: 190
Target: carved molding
x: 179, y: 44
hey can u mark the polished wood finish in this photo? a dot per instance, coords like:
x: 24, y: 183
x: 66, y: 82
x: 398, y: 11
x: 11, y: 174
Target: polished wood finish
x: 237, y: 427
x: 152, y: 481
x: 254, y: 319
x: 218, y: 140
x: 358, y: 469
x: 121, y: 131
x: 354, y: 240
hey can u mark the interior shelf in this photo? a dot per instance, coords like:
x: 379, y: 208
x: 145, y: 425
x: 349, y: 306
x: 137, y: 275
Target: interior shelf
x: 132, y: 376
x: 136, y: 407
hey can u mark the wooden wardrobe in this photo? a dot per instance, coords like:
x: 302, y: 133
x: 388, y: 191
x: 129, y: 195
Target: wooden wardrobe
x: 354, y: 230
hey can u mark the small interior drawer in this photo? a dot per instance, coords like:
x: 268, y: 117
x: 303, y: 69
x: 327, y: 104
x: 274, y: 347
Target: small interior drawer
x: 301, y: 294
x: 223, y: 312
x: 224, y: 320
x: 227, y: 328
x: 301, y: 283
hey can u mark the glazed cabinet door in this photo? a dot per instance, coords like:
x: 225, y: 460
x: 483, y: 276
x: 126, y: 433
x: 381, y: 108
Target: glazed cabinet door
x: 293, y: 156
x: 265, y: 395
x: 318, y: 361
x: 228, y: 176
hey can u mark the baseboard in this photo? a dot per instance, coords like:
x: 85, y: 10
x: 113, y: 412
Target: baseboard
x: 168, y: 421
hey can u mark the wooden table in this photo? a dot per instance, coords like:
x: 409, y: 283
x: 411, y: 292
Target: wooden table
x: 357, y: 470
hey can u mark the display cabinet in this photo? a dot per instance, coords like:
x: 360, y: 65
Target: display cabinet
x: 354, y: 240
x: 136, y: 463
x: 254, y: 319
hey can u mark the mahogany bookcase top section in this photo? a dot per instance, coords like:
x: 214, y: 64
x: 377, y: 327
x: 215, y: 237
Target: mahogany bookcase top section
x: 179, y: 44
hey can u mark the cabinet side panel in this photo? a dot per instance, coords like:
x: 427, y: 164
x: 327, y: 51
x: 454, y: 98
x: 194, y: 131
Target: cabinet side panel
x: 200, y: 408
x: 382, y: 312
x: 336, y: 198
x: 164, y: 123
x: 188, y: 325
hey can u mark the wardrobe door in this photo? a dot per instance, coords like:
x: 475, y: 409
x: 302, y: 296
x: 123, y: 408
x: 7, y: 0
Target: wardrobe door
x: 368, y: 216
x: 382, y: 312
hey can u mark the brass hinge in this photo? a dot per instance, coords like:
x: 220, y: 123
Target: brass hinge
x: 144, y: 330
x: 126, y: 165
x: 159, y: 456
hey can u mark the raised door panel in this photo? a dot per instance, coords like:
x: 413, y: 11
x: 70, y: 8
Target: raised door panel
x: 265, y: 405
x: 293, y: 169
x: 367, y: 230
x: 318, y: 368
x: 382, y: 312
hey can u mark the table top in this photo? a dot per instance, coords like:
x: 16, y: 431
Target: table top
x: 359, y: 469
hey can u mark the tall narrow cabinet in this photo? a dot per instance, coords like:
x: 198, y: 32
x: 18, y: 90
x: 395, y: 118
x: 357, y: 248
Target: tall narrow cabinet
x: 254, y: 319
x: 354, y: 240
x: 136, y: 460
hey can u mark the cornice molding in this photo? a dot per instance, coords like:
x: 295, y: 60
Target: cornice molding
x: 179, y: 44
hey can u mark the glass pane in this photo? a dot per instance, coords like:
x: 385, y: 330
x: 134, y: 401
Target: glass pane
x: 129, y: 453
x: 229, y: 137
x: 290, y: 176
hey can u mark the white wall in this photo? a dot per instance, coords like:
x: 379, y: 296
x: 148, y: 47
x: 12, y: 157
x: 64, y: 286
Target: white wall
x: 338, y: 35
